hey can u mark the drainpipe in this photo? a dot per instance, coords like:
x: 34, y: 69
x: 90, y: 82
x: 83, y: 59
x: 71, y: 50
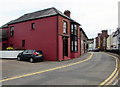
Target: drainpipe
x: 57, y: 40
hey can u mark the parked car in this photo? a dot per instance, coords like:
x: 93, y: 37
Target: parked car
x: 96, y: 50
x: 31, y: 55
x: 89, y: 50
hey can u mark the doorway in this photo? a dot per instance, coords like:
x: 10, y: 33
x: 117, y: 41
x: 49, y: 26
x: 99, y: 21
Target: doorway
x: 65, y: 46
x: 4, y: 45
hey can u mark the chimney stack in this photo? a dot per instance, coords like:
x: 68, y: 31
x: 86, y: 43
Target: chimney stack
x: 99, y: 34
x: 104, y: 31
x: 67, y: 13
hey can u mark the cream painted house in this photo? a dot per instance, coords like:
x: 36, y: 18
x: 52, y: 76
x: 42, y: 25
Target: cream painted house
x: 110, y: 41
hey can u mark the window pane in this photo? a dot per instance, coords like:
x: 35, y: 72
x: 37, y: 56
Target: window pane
x: 72, y: 28
x: 64, y: 31
x: 65, y: 27
x: 30, y: 51
x: 75, y: 32
x: 75, y: 48
x: 11, y: 31
x: 75, y: 27
x: 75, y: 43
x: 72, y: 48
x: 33, y: 25
x: 23, y: 43
x: 26, y: 51
x: 72, y: 45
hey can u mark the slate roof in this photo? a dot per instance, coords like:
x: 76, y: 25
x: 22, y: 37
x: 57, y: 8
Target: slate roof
x: 6, y: 25
x: 83, y: 32
x: 39, y: 14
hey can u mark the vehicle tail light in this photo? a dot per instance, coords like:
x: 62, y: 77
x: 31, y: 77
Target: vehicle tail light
x: 34, y: 53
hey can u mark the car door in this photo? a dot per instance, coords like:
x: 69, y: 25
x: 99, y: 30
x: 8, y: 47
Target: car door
x: 25, y: 53
x: 29, y: 54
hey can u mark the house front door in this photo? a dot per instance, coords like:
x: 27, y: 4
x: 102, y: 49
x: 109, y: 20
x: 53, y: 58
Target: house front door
x: 65, y: 46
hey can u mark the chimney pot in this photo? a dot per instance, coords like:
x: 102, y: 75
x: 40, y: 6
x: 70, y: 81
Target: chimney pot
x: 67, y: 13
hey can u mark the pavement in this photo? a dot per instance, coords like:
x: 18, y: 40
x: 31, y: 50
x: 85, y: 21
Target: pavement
x: 90, y: 72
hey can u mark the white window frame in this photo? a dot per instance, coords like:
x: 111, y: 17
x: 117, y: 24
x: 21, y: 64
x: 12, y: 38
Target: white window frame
x: 12, y: 31
x: 65, y: 27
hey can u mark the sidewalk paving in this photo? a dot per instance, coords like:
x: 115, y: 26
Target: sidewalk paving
x: 114, y: 55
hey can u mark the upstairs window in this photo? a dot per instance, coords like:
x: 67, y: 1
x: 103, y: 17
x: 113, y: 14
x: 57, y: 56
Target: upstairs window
x: 65, y: 27
x: 72, y: 29
x: 12, y: 31
x: 75, y: 31
x: 33, y: 26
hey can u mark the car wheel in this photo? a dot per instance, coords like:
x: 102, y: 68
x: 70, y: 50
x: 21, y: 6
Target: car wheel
x: 31, y: 60
x: 18, y: 58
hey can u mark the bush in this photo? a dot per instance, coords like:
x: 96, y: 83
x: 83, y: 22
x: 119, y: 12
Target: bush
x: 9, y: 48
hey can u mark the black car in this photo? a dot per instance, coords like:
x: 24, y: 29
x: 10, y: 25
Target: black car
x: 96, y: 50
x: 31, y: 55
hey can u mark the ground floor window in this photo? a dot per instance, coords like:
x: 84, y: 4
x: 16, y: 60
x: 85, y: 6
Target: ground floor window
x: 74, y: 44
x: 23, y: 43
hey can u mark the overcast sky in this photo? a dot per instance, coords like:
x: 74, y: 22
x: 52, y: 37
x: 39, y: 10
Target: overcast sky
x: 93, y: 15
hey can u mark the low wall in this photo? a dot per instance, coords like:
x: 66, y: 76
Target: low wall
x: 9, y: 54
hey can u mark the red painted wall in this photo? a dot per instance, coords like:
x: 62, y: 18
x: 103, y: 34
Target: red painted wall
x: 60, y: 40
x: 44, y: 37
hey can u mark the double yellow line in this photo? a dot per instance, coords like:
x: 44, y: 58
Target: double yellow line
x: 114, y: 74
x: 108, y: 81
x: 60, y: 67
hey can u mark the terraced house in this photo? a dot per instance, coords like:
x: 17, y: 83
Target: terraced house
x: 49, y: 30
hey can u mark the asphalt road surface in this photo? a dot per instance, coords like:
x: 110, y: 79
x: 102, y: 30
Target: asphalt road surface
x: 93, y: 71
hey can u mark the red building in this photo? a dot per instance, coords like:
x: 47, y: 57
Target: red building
x: 101, y: 40
x: 3, y: 37
x: 49, y: 30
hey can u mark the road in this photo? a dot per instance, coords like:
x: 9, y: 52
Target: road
x: 87, y: 70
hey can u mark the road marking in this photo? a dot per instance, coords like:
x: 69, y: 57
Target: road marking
x: 116, y: 81
x: 113, y: 76
x: 60, y: 67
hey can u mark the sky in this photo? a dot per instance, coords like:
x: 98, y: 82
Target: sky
x: 93, y: 15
